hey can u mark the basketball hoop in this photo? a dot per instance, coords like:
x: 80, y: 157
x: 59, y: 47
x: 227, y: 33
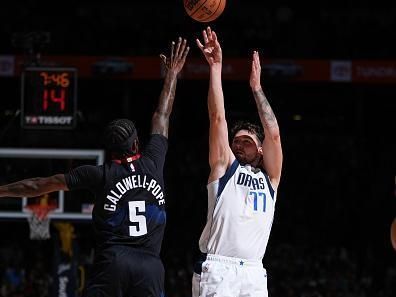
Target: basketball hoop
x: 39, y: 221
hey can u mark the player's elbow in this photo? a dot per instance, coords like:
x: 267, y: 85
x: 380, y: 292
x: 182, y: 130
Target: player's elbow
x: 273, y: 135
x: 160, y: 116
x: 160, y: 121
x: 276, y: 137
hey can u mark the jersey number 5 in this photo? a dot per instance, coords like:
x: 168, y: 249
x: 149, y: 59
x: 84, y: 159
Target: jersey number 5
x: 136, y: 208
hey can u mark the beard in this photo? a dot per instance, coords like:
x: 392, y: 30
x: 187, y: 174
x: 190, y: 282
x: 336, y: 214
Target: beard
x: 241, y: 157
x: 244, y: 160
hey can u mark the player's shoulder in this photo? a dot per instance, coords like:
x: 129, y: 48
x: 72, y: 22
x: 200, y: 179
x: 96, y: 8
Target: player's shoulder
x: 84, y: 176
x: 88, y: 169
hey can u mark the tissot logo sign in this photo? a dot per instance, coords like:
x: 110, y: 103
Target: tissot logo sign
x: 48, y: 120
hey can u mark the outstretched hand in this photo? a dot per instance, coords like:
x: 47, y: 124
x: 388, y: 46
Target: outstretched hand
x: 211, y: 47
x: 255, y: 74
x: 177, y: 57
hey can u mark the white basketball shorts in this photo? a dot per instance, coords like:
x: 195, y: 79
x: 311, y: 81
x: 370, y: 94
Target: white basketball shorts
x: 230, y: 277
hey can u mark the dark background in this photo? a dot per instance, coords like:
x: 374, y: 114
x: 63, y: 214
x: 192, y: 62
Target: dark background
x: 336, y: 199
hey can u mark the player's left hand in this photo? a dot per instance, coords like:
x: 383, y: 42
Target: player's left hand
x: 255, y: 83
x: 177, y: 57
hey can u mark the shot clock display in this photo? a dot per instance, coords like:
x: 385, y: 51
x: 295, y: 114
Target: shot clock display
x: 49, y: 97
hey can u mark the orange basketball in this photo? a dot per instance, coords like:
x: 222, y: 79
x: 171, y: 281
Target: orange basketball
x: 393, y: 234
x: 204, y: 10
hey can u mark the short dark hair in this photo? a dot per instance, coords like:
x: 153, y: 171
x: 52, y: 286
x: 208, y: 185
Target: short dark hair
x: 248, y: 126
x: 119, y: 136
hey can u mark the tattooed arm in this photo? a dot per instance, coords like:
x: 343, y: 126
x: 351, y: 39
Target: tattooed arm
x: 272, y: 149
x: 174, y: 64
x: 33, y: 187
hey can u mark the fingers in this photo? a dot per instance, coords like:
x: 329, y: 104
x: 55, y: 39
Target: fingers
x: 214, y: 36
x: 179, y: 41
x: 182, y: 48
x: 205, y: 36
x: 199, y: 44
x: 255, y: 64
x: 185, y: 53
x: 163, y: 58
x: 253, y: 73
x: 256, y: 60
x: 209, y: 35
x: 177, y: 54
x: 172, y: 51
x: 209, y: 32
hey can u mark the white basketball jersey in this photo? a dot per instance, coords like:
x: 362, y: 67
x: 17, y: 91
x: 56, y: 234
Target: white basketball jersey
x: 241, y: 207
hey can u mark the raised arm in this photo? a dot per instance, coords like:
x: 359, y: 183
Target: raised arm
x: 272, y: 149
x: 33, y: 187
x: 173, y: 65
x: 220, y: 154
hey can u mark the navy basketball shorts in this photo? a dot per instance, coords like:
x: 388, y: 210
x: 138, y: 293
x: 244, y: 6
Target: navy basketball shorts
x: 121, y: 271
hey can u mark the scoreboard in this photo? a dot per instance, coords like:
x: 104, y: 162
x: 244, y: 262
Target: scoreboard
x: 49, y: 98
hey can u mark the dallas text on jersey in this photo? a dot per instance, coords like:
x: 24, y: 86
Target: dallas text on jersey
x: 251, y: 182
x: 130, y: 183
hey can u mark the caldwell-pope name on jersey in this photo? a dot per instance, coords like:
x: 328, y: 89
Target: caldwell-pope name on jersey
x: 130, y: 183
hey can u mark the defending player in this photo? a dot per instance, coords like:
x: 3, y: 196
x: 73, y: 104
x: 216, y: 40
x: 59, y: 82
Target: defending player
x: 242, y: 189
x: 129, y: 213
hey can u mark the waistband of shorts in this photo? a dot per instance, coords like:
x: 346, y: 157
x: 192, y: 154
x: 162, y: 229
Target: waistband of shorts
x: 234, y: 261
x: 129, y: 248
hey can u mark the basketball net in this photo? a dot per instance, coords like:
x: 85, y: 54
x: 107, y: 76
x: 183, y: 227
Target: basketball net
x: 39, y: 221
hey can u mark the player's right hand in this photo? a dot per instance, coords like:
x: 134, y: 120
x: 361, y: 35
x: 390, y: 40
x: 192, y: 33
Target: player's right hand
x: 177, y: 57
x: 211, y: 47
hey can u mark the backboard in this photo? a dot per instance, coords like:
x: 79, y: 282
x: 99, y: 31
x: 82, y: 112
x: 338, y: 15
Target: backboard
x: 21, y: 163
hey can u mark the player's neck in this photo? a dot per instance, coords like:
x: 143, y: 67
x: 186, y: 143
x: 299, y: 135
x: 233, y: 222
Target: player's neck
x: 126, y: 159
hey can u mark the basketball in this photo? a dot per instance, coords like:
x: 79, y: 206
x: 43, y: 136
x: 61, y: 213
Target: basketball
x: 393, y: 234
x: 204, y: 10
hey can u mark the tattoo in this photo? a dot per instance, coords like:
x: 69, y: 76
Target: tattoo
x: 267, y: 116
x: 34, y: 186
x: 160, y: 123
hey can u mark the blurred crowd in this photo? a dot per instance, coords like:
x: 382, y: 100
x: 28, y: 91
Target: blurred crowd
x: 292, y: 270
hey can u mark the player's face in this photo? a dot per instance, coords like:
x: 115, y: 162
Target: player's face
x: 246, y: 147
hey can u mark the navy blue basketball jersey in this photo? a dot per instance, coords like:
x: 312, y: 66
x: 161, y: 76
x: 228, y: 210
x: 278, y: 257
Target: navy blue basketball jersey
x: 130, y: 201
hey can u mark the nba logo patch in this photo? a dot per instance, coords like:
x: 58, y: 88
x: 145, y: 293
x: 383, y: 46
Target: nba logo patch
x: 132, y: 167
